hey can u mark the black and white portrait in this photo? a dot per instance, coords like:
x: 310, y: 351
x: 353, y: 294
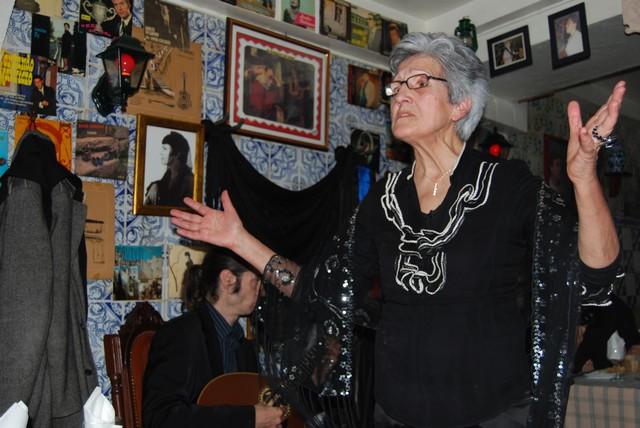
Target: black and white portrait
x: 169, y: 160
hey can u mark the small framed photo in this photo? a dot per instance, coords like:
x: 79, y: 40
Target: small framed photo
x: 335, y: 19
x: 392, y: 33
x: 569, y: 37
x: 169, y: 163
x: 365, y: 87
x: 276, y: 87
x: 509, y: 51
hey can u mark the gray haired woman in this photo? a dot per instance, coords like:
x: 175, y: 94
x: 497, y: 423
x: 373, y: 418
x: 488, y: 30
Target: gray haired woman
x: 448, y: 238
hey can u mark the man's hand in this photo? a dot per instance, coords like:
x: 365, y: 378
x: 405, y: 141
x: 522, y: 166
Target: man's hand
x: 268, y: 416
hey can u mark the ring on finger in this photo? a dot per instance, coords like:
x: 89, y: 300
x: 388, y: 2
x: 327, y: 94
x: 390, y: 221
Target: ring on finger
x: 601, y: 141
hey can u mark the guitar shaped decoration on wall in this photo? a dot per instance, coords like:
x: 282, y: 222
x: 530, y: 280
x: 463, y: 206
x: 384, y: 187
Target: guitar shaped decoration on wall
x: 184, y: 98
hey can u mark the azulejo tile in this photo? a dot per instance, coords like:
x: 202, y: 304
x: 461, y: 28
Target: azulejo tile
x: 283, y: 164
x: 214, y: 72
x: 154, y: 231
x: 67, y: 114
x: 175, y: 308
x: 70, y: 90
x: 8, y: 122
x: 196, y: 26
x: 216, y: 33
x: 313, y: 167
x: 18, y: 37
x: 338, y: 135
x: 256, y: 152
x: 138, y: 13
x: 213, y: 108
x: 95, y: 45
x: 71, y: 9
x: 101, y: 289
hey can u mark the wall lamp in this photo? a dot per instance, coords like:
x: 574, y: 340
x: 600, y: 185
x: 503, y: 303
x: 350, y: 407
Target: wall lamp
x: 125, y: 62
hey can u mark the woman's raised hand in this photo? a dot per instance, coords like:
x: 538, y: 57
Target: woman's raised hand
x: 582, y: 150
x: 217, y: 227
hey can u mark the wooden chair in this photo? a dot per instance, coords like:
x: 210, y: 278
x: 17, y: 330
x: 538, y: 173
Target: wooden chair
x: 125, y: 357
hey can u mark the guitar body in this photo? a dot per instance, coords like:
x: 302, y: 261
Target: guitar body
x: 242, y: 389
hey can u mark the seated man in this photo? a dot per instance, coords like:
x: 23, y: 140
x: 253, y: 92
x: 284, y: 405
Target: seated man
x: 205, y: 342
x: 597, y: 325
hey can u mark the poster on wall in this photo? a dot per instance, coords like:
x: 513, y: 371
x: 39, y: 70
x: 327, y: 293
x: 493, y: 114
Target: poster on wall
x: 299, y: 12
x: 4, y: 152
x: 392, y: 33
x: 60, y: 41
x: 365, y: 87
x: 96, y: 16
x: 43, y: 7
x: 366, y: 29
x: 335, y: 19
x: 263, y: 7
x: 137, y: 274
x: 180, y: 259
x: 99, y: 229
x: 101, y: 150
x: 166, y: 24
x: 16, y: 79
x: 172, y: 84
x: 58, y: 132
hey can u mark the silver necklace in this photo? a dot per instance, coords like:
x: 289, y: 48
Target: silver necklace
x: 437, y: 181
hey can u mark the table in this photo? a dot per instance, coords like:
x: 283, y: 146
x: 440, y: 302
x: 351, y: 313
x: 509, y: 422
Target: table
x: 603, y: 403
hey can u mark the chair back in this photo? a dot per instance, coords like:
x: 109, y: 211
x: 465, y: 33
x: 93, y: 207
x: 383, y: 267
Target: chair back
x: 126, y: 356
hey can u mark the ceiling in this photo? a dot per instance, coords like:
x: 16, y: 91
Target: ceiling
x: 614, y: 56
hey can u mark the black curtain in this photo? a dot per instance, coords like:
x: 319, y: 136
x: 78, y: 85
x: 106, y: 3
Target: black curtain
x: 295, y: 224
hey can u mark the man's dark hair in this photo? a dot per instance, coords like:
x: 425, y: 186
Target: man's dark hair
x: 201, y: 281
x: 179, y: 145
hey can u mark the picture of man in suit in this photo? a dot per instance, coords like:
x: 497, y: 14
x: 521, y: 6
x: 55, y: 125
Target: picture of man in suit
x: 67, y: 47
x: 43, y: 97
x: 123, y: 20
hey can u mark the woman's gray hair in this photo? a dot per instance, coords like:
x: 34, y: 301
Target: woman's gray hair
x: 466, y: 75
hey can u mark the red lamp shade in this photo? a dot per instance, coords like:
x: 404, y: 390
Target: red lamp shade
x: 495, y: 150
x: 127, y: 64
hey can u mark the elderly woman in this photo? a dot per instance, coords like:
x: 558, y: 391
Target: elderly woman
x: 447, y: 238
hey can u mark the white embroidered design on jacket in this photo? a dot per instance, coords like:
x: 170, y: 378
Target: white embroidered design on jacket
x: 424, y: 247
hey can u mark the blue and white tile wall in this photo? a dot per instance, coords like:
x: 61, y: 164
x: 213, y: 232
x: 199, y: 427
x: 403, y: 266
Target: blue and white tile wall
x: 289, y: 166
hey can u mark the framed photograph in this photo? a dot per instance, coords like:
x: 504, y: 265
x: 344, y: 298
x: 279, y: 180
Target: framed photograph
x: 569, y: 37
x: 299, y: 12
x: 276, y: 87
x: 509, y: 51
x: 365, y: 87
x: 263, y: 7
x: 169, y: 162
x: 392, y: 33
x: 335, y: 19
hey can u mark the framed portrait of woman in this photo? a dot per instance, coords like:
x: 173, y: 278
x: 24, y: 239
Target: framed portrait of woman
x: 169, y: 164
x: 568, y: 34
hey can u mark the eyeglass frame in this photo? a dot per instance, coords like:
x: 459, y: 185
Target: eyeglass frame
x: 388, y: 91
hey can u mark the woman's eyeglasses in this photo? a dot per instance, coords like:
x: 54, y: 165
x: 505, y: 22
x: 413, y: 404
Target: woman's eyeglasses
x: 416, y: 81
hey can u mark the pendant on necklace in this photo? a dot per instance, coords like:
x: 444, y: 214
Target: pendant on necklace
x: 435, y: 189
